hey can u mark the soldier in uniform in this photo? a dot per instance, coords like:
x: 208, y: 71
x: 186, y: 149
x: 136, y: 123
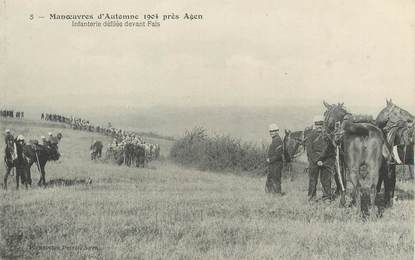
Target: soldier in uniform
x: 21, y: 162
x: 44, y: 141
x: 8, y: 138
x: 275, y: 161
x: 321, y: 157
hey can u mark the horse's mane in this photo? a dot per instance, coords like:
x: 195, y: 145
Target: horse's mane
x: 333, y: 110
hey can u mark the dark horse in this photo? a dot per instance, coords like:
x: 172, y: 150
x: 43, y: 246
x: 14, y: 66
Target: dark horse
x: 40, y: 155
x: 96, y: 150
x: 361, y: 144
x: 294, y: 146
x: 398, y: 127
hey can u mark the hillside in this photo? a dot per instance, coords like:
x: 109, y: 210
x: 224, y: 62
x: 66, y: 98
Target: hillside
x: 168, y: 212
x: 247, y: 122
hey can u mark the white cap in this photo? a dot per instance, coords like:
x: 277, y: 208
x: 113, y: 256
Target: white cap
x: 273, y: 127
x: 318, y: 118
x: 50, y: 133
x: 20, y: 138
x: 7, y: 130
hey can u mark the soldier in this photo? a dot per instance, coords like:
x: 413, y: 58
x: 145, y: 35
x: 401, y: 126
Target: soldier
x: 275, y: 161
x: 8, y: 138
x: 321, y: 157
x: 21, y: 162
x: 44, y: 141
x: 59, y: 136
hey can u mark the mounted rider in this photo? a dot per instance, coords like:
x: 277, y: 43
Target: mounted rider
x: 321, y: 157
x: 275, y: 161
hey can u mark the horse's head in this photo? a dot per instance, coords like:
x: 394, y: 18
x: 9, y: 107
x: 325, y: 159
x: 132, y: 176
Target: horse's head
x: 53, y: 153
x: 292, y: 143
x: 334, y: 113
x: 394, y: 114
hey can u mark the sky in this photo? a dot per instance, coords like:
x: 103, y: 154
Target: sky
x: 242, y: 53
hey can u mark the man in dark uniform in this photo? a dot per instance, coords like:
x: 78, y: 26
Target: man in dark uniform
x: 275, y: 161
x: 8, y: 138
x: 321, y: 157
x: 9, y: 154
x: 21, y: 162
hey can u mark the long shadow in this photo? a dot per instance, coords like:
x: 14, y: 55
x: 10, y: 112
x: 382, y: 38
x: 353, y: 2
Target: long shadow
x: 68, y: 182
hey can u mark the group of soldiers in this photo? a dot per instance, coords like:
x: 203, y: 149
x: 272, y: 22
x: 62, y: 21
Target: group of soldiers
x: 132, y: 150
x: 55, y: 118
x: 127, y: 146
x: 14, y: 153
x: 5, y: 113
x: 321, y: 157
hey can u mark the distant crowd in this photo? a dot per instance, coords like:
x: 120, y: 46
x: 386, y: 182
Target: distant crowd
x: 6, y: 113
x: 121, y: 138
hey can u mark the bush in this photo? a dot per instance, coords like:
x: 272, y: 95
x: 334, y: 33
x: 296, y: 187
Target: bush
x: 217, y: 153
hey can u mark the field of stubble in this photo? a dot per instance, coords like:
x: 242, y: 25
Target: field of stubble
x: 168, y: 212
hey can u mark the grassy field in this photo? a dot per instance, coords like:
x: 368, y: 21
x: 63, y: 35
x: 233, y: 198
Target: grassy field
x: 167, y: 212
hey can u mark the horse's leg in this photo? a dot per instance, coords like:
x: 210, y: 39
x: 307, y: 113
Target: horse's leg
x: 29, y: 174
x: 383, y: 173
x: 354, y: 172
x: 42, y: 170
x: 392, y: 182
x: 411, y: 171
x: 373, y: 168
x: 26, y: 177
x: 17, y: 178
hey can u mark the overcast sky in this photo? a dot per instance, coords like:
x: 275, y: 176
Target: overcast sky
x: 241, y: 53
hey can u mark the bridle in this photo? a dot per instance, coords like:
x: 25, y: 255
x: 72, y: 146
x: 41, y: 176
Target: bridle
x: 299, y: 141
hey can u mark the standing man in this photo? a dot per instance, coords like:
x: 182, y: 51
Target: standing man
x: 321, y: 157
x: 21, y: 162
x: 275, y: 161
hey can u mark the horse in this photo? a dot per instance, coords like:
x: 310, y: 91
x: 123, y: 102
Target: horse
x: 96, y: 150
x: 398, y: 127
x: 362, y: 144
x: 40, y: 154
x: 293, y: 143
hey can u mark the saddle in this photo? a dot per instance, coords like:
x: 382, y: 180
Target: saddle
x: 395, y: 130
x: 362, y: 119
x: 357, y: 124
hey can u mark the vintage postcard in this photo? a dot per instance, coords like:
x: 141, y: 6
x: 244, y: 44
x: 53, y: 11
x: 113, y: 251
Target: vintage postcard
x: 181, y: 129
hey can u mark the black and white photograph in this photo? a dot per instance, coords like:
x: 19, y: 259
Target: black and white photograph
x: 273, y: 129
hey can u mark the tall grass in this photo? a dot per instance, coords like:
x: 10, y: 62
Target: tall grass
x: 217, y: 153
